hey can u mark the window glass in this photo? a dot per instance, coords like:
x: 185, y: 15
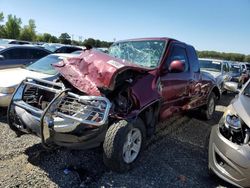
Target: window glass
x: 44, y: 65
x: 36, y: 53
x: 210, y: 65
x: 143, y: 53
x: 15, y: 53
x: 193, y: 59
x: 179, y: 53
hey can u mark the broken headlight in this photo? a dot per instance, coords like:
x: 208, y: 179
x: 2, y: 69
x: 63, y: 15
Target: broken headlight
x: 232, y: 121
x: 7, y: 90
x: 233, y: 128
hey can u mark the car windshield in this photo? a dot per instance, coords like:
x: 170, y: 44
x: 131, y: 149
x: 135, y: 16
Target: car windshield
x: 235, y: 69
x: 52, y: 47
x: 210, y: 65
x: 143, y: 53
x: 44, y: 65
x: 4, y: 41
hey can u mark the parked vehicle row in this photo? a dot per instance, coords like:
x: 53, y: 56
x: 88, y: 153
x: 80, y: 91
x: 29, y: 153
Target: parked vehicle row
x: 219, y: 69
x: 41, y: 68
x: 224, y: 71
x: 18, y: 55
x: 116, y: 99
x: 98, y: 98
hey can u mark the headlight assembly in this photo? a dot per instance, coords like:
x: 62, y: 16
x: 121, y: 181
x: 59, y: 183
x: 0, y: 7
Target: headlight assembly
x: 7, y: 90
x: 231, y: 119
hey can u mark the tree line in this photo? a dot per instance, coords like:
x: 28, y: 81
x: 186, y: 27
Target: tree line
x: 225, y: 56
x: 12, y: 29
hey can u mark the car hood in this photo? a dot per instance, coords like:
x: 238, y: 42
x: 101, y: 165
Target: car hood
x: 93, y: 70
x: 12, y: 77
x: 213, y: 73
x: 242, y: 107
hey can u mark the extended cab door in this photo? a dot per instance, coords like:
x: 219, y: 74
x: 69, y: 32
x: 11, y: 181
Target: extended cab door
x: 174, y: 86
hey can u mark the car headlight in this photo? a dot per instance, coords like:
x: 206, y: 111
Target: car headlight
x: 231, y: 119
x: 7, y: 90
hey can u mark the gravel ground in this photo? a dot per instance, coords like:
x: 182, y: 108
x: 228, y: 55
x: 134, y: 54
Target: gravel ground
x: 175, y: 157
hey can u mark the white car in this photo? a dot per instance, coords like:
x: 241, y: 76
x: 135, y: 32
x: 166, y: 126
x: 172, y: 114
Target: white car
x: 10, y: 78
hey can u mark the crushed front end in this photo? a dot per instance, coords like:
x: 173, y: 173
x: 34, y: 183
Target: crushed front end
x: 58, y: 115
x: 229, y: 149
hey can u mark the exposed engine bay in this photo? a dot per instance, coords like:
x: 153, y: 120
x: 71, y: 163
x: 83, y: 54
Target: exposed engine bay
x: 239, y: 134
x: 44, y: 108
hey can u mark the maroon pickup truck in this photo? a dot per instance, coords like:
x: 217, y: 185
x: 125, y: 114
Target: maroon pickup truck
x: 114, y: 99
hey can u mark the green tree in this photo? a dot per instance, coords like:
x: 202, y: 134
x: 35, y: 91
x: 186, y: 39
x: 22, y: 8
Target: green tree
x: 247, y: 58
x: 28, y: 32
x: 90, y: 42
x: 1, y: 17
x: 53, y: 39
x: 1, y: 26
x: 12, y: 27
x: 46, y: 37
x: 65, y: 38
x: 39, y: 37
x: 222, y: 55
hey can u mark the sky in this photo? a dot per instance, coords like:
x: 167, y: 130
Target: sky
x: 219, y: 25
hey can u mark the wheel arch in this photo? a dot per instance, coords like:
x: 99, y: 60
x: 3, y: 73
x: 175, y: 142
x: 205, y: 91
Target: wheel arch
x: 150, y: 115
x: 216, y: 91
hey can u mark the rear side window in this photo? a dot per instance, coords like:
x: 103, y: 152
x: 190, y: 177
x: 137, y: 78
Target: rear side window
x: 193, y: 59
x: 178, y: 52
x: 70, y: 50
x: 66, y: 50
x: 60, y: 50
x: 15, y: 53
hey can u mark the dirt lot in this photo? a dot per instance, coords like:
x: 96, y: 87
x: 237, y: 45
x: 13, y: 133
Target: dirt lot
x: 175, y: 157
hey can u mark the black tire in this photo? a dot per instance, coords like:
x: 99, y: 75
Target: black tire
x: 114, y: 142
x: 205, y: 111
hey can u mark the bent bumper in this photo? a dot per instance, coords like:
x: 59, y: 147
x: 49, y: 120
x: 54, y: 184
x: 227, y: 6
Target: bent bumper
x: 229, y: 161
x: 67, y: 119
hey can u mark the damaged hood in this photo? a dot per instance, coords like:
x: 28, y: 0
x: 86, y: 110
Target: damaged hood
x: 92, y: 70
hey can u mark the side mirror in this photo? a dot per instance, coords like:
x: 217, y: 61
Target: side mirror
x: 232, y: 86
x: 2, y: 57
x: 176, y: 66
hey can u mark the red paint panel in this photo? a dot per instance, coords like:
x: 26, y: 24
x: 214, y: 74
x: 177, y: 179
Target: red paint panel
x: 93, y: 70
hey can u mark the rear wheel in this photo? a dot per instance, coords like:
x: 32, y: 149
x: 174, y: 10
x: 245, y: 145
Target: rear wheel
x: 208, y: 110
x: 123, y: 144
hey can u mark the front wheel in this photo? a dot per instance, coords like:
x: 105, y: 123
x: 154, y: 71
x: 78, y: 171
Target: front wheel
x: 123, y: 144
x: 208, y: 110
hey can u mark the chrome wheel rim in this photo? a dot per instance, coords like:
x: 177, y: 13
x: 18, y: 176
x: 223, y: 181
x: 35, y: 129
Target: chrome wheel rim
x: 132, y: 145
x: 211, y: 106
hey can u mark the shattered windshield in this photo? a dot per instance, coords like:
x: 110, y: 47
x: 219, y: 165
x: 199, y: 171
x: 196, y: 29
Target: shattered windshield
x: 143, y: 53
